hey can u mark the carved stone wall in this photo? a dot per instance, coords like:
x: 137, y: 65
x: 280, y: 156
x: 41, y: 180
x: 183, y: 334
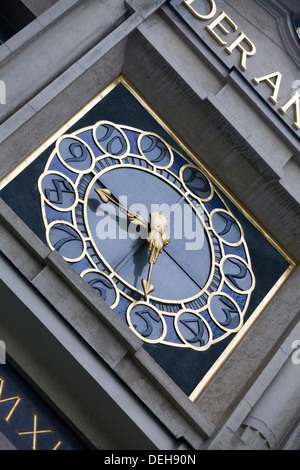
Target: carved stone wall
x: 51, y: 69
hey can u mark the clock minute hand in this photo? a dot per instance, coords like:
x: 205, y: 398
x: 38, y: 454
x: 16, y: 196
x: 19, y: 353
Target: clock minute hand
x: 106, y: 196
x: 157, y: 239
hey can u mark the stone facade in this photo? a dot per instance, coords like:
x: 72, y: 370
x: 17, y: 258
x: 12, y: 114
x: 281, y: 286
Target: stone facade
x: 208, y: 95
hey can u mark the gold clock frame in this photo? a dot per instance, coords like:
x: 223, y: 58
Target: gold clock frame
x: 184, y: 193
x: 211, y: 176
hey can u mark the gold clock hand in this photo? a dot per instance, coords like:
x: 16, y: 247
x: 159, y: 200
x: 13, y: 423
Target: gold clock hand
x: 105, y: 196
x: 147, y: 286
x: 157, y: 239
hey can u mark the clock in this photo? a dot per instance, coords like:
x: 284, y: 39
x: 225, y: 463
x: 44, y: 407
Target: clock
x: 150, y: 232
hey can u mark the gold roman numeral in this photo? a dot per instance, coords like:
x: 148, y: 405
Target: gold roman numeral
x: 17, y: 399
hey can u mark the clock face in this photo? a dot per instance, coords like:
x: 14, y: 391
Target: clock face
x: 202, y: 278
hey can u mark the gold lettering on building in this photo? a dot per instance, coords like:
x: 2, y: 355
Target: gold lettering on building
x: 17, y: 399
x: 274, y: 81
x: 245, y: 53
x: 217, y: 23
x: 225, y: 25
x: 212, y: 13
x: 57, y: 445
x: 34, y: 432
x: 295, y: 101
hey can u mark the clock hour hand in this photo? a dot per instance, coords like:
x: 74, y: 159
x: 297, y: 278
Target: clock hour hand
x: 106, y: 196
x: 157, y: 240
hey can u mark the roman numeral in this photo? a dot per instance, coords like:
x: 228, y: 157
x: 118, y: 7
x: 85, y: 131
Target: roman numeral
x: 34, y: 432
x: 16, y: 398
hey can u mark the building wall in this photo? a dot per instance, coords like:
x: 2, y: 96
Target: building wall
x: 66, y: 56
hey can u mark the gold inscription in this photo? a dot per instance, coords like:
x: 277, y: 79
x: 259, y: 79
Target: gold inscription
x: 17, y: 399
x: 34, y: 432
x: 245, y: 53
x: 57, y: 445
x: 272, y: 79
x: 217, y: 23
x: 212, y: 13
x: 295, y: 101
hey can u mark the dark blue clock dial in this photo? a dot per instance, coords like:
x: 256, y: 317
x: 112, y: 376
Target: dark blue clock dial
x: 177, y: 275
x: 202, y: 279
